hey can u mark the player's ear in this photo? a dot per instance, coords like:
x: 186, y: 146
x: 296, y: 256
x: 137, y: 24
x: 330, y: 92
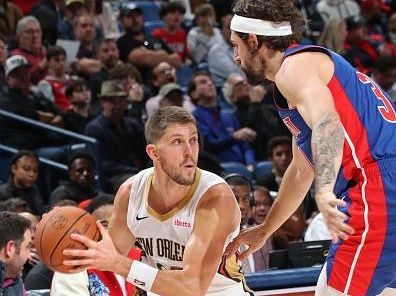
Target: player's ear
x: 152, y: 151
x: 253, y: 42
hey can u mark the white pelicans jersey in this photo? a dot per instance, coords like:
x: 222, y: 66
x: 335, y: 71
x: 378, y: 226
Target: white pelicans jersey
x: 163, y: 237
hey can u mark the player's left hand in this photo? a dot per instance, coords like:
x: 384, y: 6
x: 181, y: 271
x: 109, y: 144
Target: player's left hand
x: 98, y: 255
x: 335, y: 220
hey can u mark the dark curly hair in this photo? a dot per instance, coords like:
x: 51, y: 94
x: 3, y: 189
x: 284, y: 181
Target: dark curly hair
x: 274, y: 11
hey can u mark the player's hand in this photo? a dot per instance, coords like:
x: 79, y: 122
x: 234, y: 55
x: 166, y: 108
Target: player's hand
x: 335, y: 220
x: 98, y: 255
x: 252, y: 237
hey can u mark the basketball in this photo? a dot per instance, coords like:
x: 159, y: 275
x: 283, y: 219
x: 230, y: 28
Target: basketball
x: 53, y: 235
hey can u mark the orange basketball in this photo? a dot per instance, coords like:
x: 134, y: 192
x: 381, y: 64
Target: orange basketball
x: 53, y: 235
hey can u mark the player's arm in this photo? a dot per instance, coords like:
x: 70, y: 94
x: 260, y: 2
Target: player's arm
x: 118, y: 229
x: 295, y: 185
x: 217, y: 216
x: 303, y: 81
x: 202, y: 254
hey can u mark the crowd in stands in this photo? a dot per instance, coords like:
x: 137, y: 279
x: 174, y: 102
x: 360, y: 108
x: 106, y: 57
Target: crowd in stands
x: 100, y: 68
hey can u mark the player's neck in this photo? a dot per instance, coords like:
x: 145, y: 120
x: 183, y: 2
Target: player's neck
x: 274, y: 61
x: 165, y: 194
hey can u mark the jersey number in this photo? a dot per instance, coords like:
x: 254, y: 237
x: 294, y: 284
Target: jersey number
x: 292, y: 128
x: 387, y: 111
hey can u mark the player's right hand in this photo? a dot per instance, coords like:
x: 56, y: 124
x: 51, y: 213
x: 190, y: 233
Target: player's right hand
x: 253, y: 238
x: 335, y: 220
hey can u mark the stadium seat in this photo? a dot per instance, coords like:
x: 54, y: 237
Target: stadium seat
x: 235, y: 167
x: 149, y: 8
x: 150, y: 26
x: 262, y: 169
x: 184, y: 74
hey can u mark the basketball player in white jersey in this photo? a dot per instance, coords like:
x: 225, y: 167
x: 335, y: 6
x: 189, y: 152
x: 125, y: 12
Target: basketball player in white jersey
x: 182, y: 217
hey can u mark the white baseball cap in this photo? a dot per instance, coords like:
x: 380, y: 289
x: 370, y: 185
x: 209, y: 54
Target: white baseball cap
x: 15, y: 62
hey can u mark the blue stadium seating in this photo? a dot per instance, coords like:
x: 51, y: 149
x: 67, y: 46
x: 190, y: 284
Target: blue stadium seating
x: 184, y: 74
x: 235, y: 167
x: 262, y: 169
x: 149, y: 8
x: 150, y: 26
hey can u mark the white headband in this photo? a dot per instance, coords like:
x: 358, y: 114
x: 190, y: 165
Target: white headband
x: 260, y: 27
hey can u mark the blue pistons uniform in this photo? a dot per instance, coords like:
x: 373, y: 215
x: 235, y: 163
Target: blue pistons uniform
x: 364, y: 264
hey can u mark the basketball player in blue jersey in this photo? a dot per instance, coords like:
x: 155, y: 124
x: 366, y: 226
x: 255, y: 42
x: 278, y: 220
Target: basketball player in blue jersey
x: 180, y: 216
x: 344, y: 129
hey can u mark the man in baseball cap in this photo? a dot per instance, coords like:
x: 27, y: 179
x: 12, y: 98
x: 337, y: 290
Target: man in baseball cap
x: 17, y: 73
x: 171, y: 95
x: 14, y: 62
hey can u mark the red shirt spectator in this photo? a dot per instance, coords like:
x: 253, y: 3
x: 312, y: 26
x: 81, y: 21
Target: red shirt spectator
x: 25, y: 5
x: 177, y: 41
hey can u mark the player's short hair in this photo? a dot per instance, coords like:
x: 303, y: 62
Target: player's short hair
x: 164, y: 117
x: 12, y: 228
x: 273, y: 11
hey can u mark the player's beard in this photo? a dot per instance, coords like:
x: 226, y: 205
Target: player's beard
x: 254, y: 68
x: 172, y: 172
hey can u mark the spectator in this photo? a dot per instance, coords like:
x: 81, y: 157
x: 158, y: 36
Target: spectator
x: 73, y: 9
x: 53, y: 87
x: 133, y: 86
x: 317, y: 229
x: 263, y: 119
x: 84, y: 32
x: 171, y: 95
x: 104, y: 18
x: 34, y: 257
x: 10, y: 15
x: 280, y: 153
x: 203, y: 36
x: 108, y: 56
x: 236, y: 92
x: 3, y: 57
x: 329, y: 9
x: 81, y: 183
x: 78, y: 115
x: 48, y: 13
x: 165, y: 74
x: 23, y: 176
x: 93, y: 282
x: 220, y: 129
x: 241, y: 187
x: 360, y: 51
x: 17, y: 98
x: 15, y: 242
x: 162, y: 74
x: 142, y: 50
x: 259, y: 260
x: 384, y: 73
x: 121, y: 138
x: 29, y: 36
x: 333, y: 35
x: 172, y: 33
x: 375, y: 13
x: 24, y: 5
x: 15, y: 204
x: 221, y: 55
